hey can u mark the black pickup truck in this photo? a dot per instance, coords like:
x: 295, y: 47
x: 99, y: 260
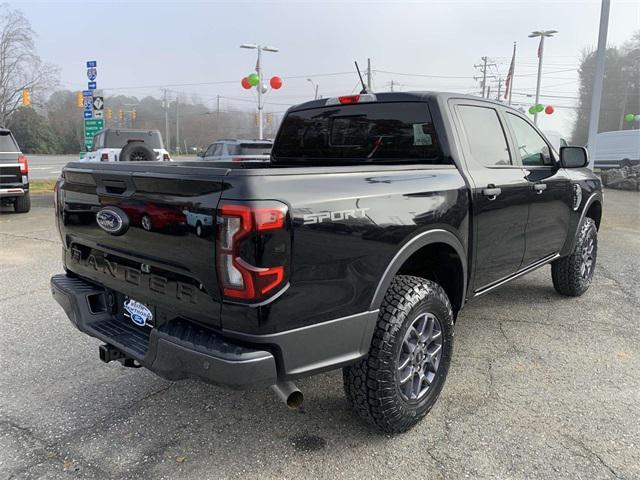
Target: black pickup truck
x: 378, y: 218
x: 14, y: 174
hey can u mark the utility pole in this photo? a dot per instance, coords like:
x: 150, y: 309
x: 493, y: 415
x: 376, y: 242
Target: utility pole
x: 392, y: 85
x: 488, y: 91
x: 542, y: 34
x: 166, y: 121
x: 598, y: 78
x: 369, y: 89
x: 177, y: 125
x: 483, y: 69
x: 499, y: 89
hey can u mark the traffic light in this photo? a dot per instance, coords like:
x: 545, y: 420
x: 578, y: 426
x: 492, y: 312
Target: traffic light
x: 133, y: 114
x: 79, y: 100
x: 26, y: 98
x: 109, y: 114
x: 120, y: 115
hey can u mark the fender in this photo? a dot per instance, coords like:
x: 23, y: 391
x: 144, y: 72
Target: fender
x: 570, y: 244
x: 413, y: 245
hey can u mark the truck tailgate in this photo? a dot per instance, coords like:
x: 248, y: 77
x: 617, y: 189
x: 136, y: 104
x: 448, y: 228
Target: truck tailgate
x: 163, y: 251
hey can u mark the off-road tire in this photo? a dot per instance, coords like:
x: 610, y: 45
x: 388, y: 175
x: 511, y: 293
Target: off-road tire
x: 22, y: 204
x: 567, y: 272
x: 137, y: 152
x: 371, y: 385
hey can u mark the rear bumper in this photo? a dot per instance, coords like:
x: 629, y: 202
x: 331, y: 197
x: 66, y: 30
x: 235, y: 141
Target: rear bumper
x: 12, y: 191
x: 174, y: 351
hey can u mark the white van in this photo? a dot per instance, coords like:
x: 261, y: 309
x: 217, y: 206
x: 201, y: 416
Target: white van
x: 617, y: 149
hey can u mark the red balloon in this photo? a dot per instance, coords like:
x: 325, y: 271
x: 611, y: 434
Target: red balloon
x: 245, y: 83
x: 275, y: 82
x: 549, y: 110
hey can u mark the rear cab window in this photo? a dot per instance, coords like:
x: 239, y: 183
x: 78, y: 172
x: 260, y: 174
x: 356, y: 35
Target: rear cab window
x: 386, y: 132
x: 7, y: 143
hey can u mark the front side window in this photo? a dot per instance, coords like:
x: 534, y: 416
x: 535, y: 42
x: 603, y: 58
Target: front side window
x: 534, y: 151
x: 398, y: 132
x: 485, y: 137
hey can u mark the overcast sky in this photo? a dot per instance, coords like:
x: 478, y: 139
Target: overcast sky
x: 143, y: 45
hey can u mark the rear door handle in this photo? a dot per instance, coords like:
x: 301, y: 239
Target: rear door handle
x: 491, y: 192
x: 540, y: 187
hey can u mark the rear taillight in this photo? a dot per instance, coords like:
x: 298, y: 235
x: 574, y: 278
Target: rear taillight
x: 165, y: 157
x: 253, y: 248
x: 104, y: 157
x: 24, y: 164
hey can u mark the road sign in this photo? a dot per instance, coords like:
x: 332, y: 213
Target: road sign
x: 98, y: 114
x: 91, y: 127
x: 92, y: 85
x: 87, y: 102
x: 98, y: 103
x: 88, y: 114
x: 87, y: 93
x: 92, y: 73
x: 92, y: 64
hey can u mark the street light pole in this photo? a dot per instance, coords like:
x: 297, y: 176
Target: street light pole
x: 542, y: 34
x: 260, y: 49
x: 598, y: 79
x: 315, y: 87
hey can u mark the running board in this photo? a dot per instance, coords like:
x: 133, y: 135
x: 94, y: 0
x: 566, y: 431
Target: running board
x: 530, y: 268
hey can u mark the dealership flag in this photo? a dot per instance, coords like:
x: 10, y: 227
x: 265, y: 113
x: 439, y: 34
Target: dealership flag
x: 512, y: 67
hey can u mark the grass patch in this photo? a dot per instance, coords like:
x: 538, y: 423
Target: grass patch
x: 41, y: 186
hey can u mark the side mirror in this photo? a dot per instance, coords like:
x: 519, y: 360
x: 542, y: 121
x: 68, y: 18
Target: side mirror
x: 573, y: 157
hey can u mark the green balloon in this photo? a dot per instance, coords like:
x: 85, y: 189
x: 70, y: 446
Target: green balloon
x: 539, y: 107
x: 629, y: 117
x: 254, y: 79
x: 532, y: 110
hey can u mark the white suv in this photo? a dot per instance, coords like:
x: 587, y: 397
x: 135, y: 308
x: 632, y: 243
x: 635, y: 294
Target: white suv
x: 238, y: 151
x: 108, y: 145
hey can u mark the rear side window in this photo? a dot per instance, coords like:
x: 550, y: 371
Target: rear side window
x: 485, y: 137
x: 351, y: 134
x: 7, y: 143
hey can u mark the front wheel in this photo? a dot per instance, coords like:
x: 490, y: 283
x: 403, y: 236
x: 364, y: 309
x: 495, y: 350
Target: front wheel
x: 401, y: 377
x: 573, y: 274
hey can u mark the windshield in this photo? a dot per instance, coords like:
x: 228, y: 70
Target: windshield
x: 380, y: 132
x: 6, y: 143
x: 118, y: 139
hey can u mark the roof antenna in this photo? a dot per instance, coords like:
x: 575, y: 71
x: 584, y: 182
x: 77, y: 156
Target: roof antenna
x: 364, y: 87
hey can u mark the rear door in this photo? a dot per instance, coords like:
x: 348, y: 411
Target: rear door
x: 550, y: 194
x: 499, y: 190
x: 10, y: 175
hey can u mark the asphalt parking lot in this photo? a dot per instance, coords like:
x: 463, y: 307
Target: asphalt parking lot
x: 541, y: 386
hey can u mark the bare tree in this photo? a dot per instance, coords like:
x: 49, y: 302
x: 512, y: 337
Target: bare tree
x: 20, y: 66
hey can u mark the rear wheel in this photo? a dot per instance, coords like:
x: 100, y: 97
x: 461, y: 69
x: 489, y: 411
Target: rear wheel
x: 401, y: 377
x: 199, y: 230
x: 22, y: 204
x: 573, y: 274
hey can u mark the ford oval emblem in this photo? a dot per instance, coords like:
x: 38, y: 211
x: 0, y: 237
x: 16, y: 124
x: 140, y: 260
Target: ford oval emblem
x: 112, y: 220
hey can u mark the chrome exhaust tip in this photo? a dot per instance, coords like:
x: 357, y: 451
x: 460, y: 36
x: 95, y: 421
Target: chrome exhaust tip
x: 289, y: 394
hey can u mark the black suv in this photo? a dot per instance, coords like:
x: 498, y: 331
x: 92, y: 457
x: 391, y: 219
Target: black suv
x: 14, y: 174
